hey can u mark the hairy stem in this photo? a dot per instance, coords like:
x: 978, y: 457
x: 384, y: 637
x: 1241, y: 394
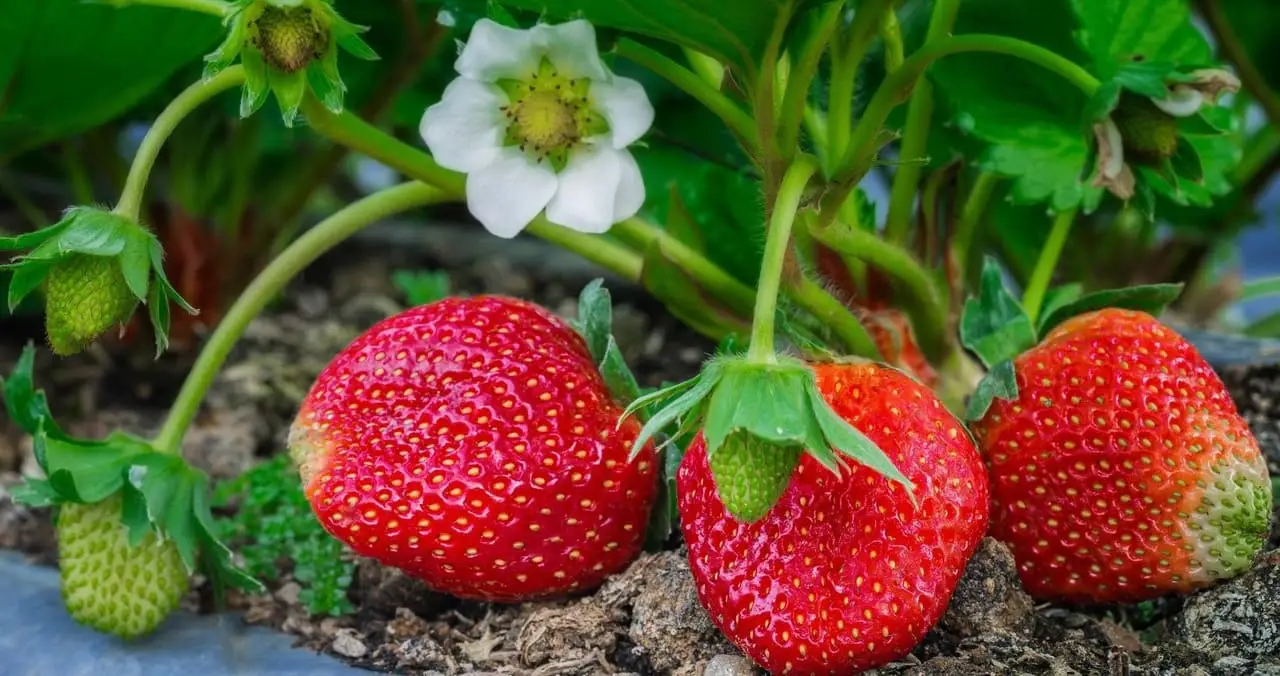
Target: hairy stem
x: 898, y: 85
x: 696, y: 86
x: 782, y: 216
x: 915, y: 139
x: 816, y: 301
x: 270, y: 282
x: 844, y: 75
x: 711, y: 276
x: 1038, y: 284
x: 803, y: 71
x: 921, y: 295
x: 135, y: 186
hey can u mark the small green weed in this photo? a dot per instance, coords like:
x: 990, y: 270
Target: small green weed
x: 421, y: 287
x: 274, y: 522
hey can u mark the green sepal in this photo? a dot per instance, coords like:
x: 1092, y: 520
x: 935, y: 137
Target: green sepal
x: 326, y: 83
x: 256, y: 88
x: 681, y: 404
x: 289, y: 89
x: 595, y: 325
x: 1148, y: 78
x: 1001, y: 381
x: 227, y: 51
x: 993, y: 324
x: 1149, y: 298
x: 160, y: 492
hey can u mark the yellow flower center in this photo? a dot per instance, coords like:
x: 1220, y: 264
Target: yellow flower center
x: 545, y: 121
x: 549, y: 114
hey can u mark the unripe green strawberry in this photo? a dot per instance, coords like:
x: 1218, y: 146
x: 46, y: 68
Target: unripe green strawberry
x: 1150, y: 134
x: 290, y: 38
x: 84, y: 297
x: 751, y: 474
x: 108, y: 585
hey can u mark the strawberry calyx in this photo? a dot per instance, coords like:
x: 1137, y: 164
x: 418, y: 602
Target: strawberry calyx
x: 288, y: 47
x: 759, y: 414
x: 995, y: 326
x: 159, y: 493
x: 69, y: 254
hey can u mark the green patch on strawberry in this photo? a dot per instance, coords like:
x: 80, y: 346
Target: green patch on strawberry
x: 751, y: 474
x: 95, y: 266
x: 775, y: 405
x: 151, y: 497
x: 996, y: 328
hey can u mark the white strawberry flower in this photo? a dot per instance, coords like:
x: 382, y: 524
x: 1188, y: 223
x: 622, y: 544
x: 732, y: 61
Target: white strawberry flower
x: 537, y: 121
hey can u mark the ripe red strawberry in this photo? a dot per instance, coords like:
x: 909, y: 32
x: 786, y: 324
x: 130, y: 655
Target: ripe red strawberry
x: 843, y: 573
x: 473, y: 444
x: 1122, y: 471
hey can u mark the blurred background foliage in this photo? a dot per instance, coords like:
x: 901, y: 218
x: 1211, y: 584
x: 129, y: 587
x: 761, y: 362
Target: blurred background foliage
x: 80, y: 81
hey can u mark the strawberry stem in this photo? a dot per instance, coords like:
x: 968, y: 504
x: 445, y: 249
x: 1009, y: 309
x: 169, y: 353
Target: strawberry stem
x: 217, y: 8
x: 781, y: 218
x: 846, y: 55
x: 270, y: 282
x: 135, y: 186
x: 1038, y: 284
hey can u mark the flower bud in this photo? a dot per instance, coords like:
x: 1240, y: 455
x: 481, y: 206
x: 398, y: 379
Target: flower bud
x: 289, y: 37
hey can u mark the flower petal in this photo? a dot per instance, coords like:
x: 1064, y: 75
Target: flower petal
x: 495, y: 52
x: 588, y: 192
x: 571, y: 48
x: 1111, y: 172
x: 507, y: 194
x: 630, y: 196
x: 465, y: 129
x: 626, y: 106
x: 1181, y: 102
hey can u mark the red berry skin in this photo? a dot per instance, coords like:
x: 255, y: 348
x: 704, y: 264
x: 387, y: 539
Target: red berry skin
x: 843, y: 574
x: 473, y: 444
x: 1122, y: 471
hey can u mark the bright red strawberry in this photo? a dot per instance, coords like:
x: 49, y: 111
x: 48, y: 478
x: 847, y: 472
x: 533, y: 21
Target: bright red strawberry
x: 1122, y: 471
x: 843, y: 573
x: 472, y: 443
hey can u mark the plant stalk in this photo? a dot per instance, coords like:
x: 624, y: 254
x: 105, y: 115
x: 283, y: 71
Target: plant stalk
x: 975, y: 207
x: 217, y: 8
x: 135, y: 186
x: 782, y: 216
x: 845, y: 59
x: 1042, y: 274
x: 915, y: 139
x: 270, y: 282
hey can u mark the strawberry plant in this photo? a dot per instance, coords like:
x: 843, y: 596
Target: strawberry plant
x: 994, y: 339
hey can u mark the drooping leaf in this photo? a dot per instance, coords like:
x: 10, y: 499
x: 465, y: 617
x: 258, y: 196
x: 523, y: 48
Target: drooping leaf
x: 993, y: 323
x: 1149, y: 298
x: 27, y: 406
x: 595, y: 324
x: 1001, y: 381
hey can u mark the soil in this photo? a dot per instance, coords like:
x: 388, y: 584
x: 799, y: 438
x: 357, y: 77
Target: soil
x: 646, y: 620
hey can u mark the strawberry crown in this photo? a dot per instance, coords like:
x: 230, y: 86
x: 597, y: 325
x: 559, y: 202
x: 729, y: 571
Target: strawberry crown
x: 995, y: 326
x: 160, y: 493
x: 89, y: 231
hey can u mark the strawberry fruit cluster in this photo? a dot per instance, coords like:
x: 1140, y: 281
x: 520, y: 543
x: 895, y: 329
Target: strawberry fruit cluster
x: 491, y: 449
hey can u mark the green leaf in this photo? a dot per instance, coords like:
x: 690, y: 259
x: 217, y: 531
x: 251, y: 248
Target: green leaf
x: 1265, y: 327
x: 1145, y: 77
x: 35, y: 493
x: 993, y: 323
x: 1057, y: 297
x: 67, y: 66
x: 1114, y: 32
x: 25, y: 405
x: 595, y: 318
x: 735, y: 32
x: 1149, y: 298
x: 1001, y: 381
x: 678, y: 403
x: 1027, y: 118
x: 87, y: 472
x: 28, y: 275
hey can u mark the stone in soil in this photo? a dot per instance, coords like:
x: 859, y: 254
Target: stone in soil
x: 1238, y: 618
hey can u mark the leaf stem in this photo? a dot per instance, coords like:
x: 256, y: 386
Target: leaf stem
x: 1042, y: 274
x: 803, y: 70
x: 270, y: 282
x: 621, y: 260
x: 975, y: 207
x: 1233, y: 49
x: 915, y: 139
x: 696, y: 86
x: 896, y: 87
x: 720, y: 283
x: 845, y: 59
x: 135, y: 186
x: 781, y: 218
x: 217, y: 8
x: 1258, y: 288
x: 921, y: 294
